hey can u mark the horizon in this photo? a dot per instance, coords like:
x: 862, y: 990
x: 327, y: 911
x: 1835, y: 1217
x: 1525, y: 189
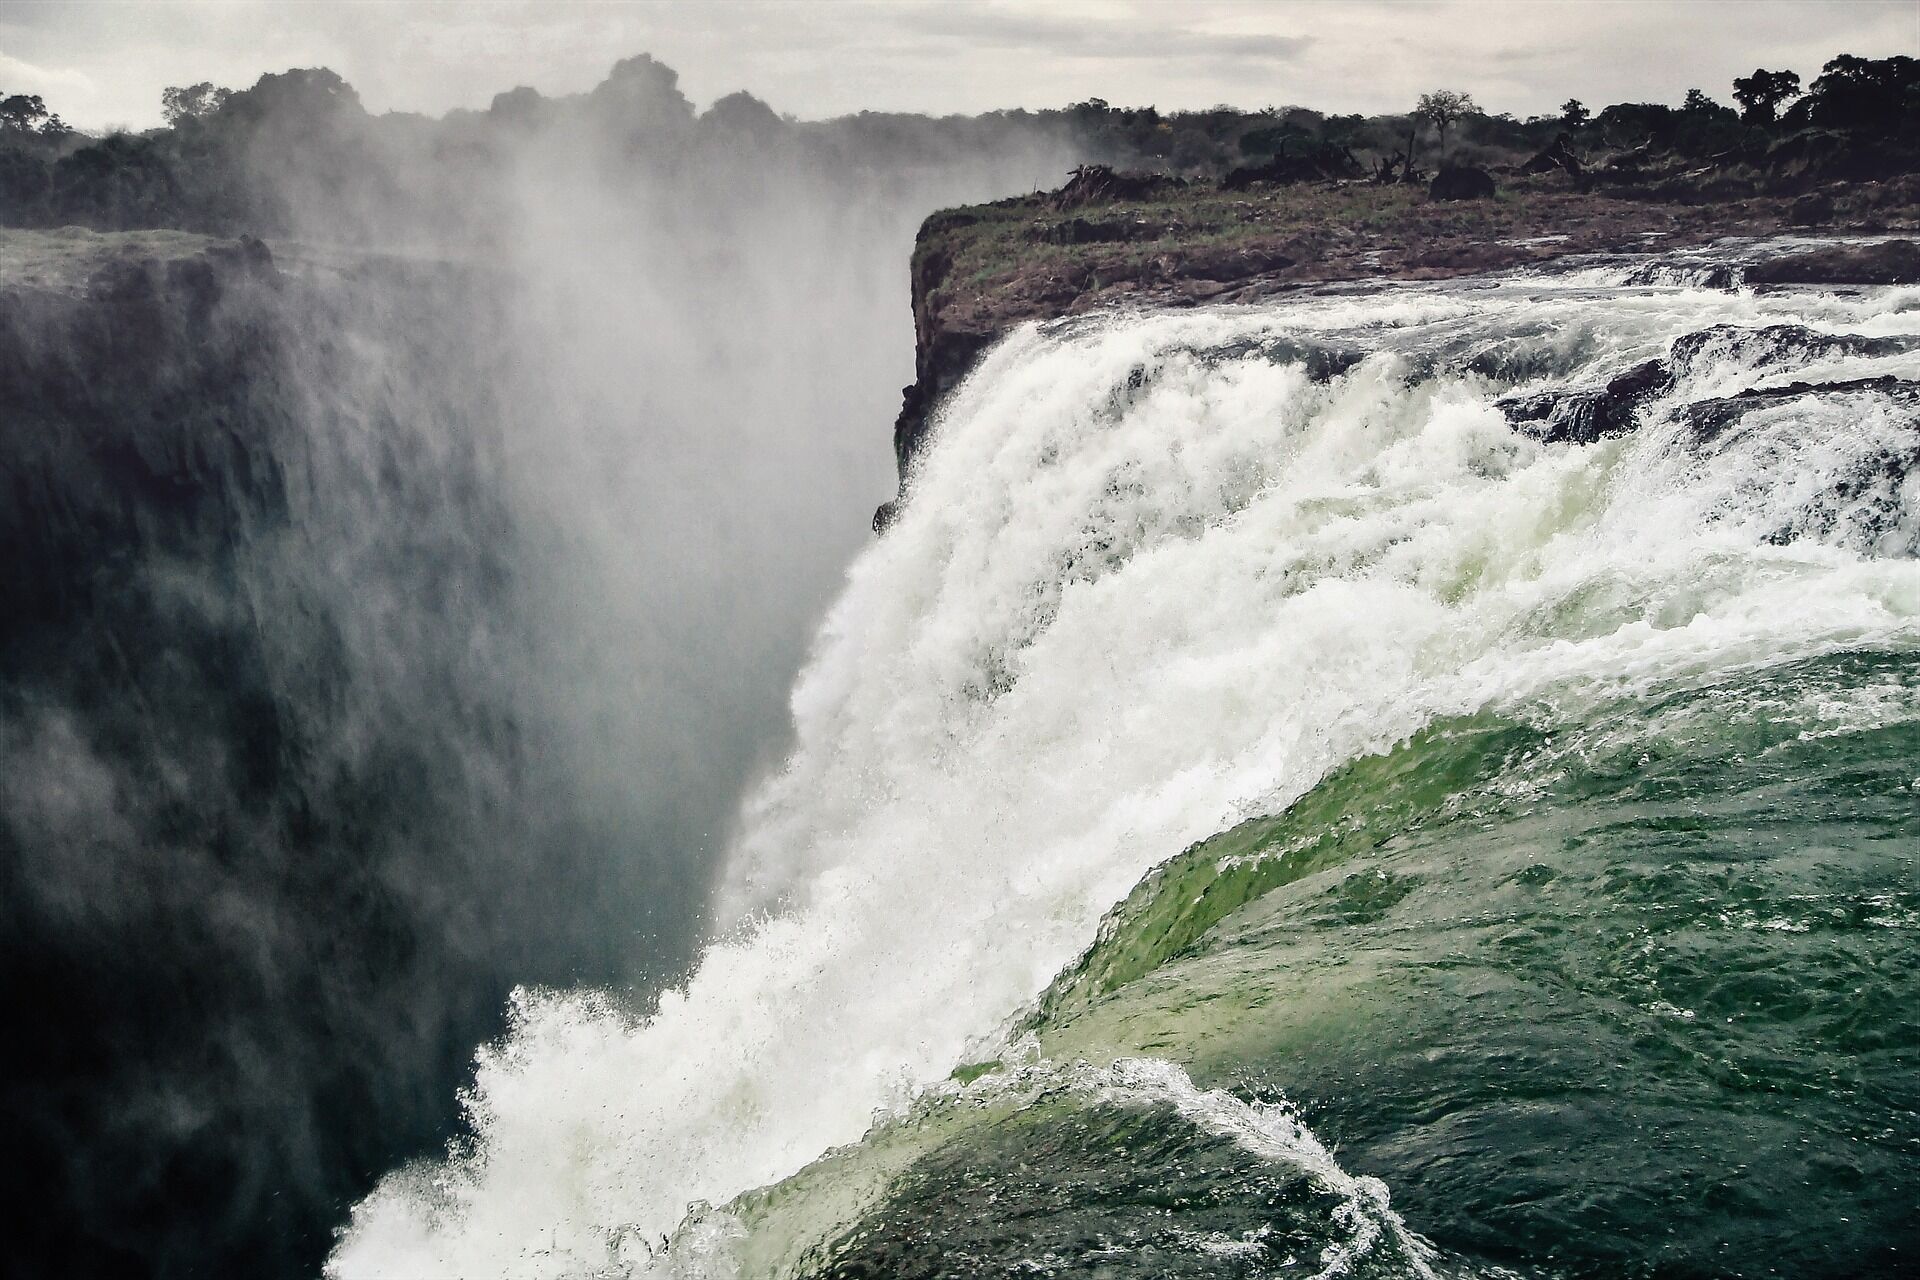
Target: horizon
x: 102, y: 66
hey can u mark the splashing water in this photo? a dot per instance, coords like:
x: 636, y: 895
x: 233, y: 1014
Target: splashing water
x: 1160, y: 574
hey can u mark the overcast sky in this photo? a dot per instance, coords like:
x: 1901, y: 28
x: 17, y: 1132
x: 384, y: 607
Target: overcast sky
x: 103, y: 63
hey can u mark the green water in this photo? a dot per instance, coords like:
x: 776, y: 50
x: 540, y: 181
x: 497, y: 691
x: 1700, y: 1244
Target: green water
x: 1636, y: 996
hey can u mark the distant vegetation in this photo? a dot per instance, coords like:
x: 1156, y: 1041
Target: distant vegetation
x: 297, y: 151
x: 1859, y: 119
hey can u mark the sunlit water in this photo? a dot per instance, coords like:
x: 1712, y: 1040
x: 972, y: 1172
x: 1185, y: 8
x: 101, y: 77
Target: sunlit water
x: 1563, y: 803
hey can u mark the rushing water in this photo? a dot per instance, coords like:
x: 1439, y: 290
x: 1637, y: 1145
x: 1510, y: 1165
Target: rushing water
x: 1550, y: 813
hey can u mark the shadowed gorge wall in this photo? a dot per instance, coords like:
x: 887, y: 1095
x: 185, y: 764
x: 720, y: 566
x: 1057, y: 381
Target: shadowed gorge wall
x: 393, y: 616
x: 263, y: 753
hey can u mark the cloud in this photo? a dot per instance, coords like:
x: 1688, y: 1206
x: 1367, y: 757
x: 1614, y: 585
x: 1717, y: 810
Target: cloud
x: 831, y: 57
x: 19, y: 76
x: 1101, y: 32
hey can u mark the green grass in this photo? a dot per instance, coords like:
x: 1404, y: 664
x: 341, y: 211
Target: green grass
x: 991, y: 244
x: 64, y: 257
x: 968, y: 1072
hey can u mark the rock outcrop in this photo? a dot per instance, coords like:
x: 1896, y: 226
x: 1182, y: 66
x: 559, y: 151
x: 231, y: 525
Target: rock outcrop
x: 1461, y: 183
x: 1586, y: 416
x: 1886, y: 262
x: 1559, y: 156
x: 1102, y: 184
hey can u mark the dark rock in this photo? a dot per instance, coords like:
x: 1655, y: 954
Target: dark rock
x: 1583, y: 416
x: 944, y: 359
x: 1558, y: 156
x: 125, y: 280
x: 1074, y: 231
x: 885, y: 514
x: 1643, y: 381
x: 1695, y: 276
x: 1889, y: 262
x: 1811, y: 210
x: 1460, y: 183
x: 1237, y: 265
x: 1708, y: 419
x: 1775, y: 343
x: 1817, y: 156
x: 1100, y: 184
x: 1586, y: 416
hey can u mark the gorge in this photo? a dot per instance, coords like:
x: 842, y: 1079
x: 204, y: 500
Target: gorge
x: 1378, y: 736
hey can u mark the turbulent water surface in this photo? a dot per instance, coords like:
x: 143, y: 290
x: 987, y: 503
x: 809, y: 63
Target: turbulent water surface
x: 1550, y: 809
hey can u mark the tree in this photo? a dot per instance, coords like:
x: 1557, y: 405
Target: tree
x: 192, y: 102
x: 120, y: 182
x: 1442, y: 109
x: 1705, y: 127
x: 26, y: 178
x: 1876, y: 95
x: 304, y: 98
x: 22, y: 112
x: 519, y: 106
x: 1574, y: 113
x: 1637, y: 124
x: 1761, y: 94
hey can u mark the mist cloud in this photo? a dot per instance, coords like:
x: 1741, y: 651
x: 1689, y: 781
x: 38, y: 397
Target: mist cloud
x: 403, y: 622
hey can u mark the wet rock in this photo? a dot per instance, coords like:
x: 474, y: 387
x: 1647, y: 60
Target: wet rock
x: 1864, y: 507
x: 1587, y: 416
x: 178, y: 430
x: 1860, y: 504
x: 1707, y: 420
x: 1461, y: 183
x: 943, y: 359
x: 1686, y: 275
x: 1777, y: 343
x: 1888, y: 262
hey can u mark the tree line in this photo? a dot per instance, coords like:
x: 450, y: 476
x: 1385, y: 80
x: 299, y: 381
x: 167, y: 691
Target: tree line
x: 300, y: 142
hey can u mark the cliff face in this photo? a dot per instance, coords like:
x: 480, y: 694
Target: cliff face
x: 250, y: 822
x: 125, y: 397
x: 979, y: 272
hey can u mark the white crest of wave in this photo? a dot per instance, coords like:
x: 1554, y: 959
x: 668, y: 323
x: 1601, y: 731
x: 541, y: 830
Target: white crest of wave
x: 1150, y: 581
x: 1276, y: 1134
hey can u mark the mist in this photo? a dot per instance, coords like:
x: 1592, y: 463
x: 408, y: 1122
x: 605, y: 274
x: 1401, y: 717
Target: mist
x: 406, y: 625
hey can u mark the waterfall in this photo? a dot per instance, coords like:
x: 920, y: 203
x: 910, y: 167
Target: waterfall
x: 1158, y: 574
